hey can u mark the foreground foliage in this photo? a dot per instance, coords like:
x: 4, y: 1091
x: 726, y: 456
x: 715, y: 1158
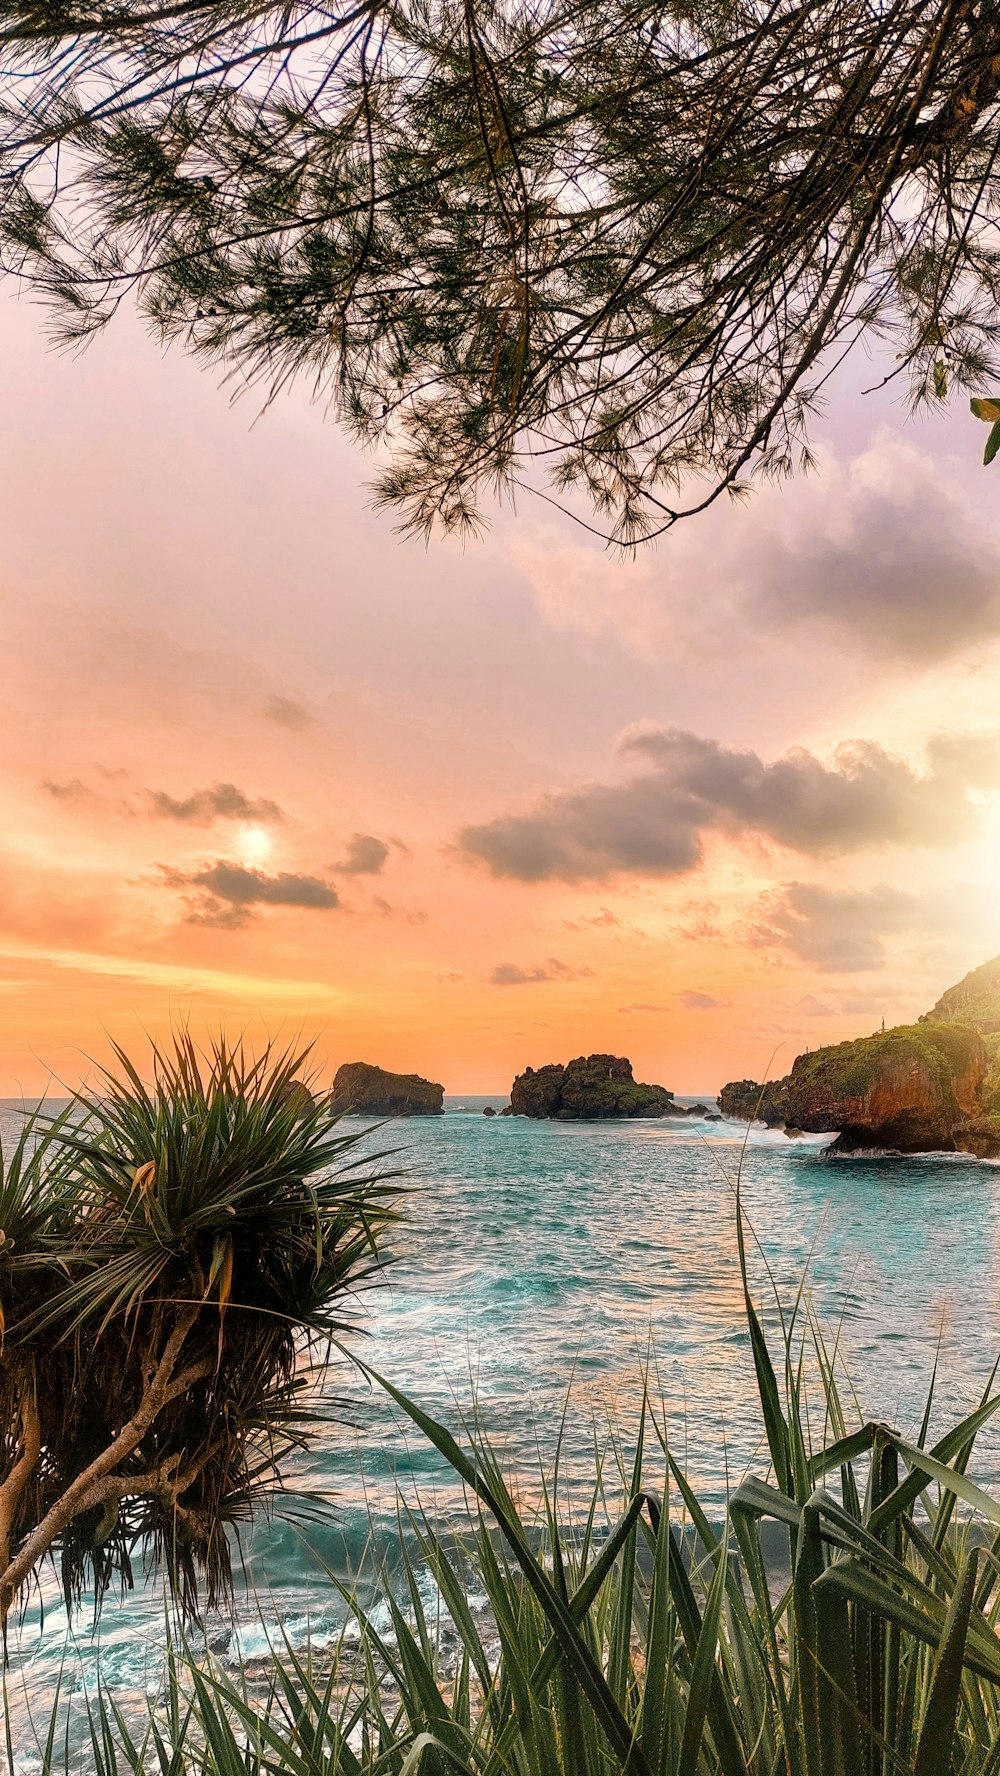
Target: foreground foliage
x: 642, y: 1639
x: 628, y: 240
x: 172, y: 1253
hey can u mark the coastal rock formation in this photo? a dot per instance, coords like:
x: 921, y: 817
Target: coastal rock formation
x: 591, y: 1088
x: 981, y: 1136
x: 747, y: 1101
x: 297, y: 1093
x: 360, y: 1089
x: 920, y: 1088
x: 903, y: 1090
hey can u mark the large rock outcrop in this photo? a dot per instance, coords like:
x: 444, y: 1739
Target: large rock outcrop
x: 933, y: 1086
x: 296, y: 1093
x: 592, y: 1088
x: 360, y: 1089
x: 745, y: 1100
x: 905, y: 1089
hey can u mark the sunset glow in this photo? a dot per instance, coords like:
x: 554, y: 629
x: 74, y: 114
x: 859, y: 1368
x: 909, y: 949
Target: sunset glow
x: 458, y: 811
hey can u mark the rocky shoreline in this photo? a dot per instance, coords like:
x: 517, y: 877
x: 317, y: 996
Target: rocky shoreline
x: 928, y: 1087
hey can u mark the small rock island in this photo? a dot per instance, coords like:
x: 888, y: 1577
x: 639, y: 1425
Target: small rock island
x: 592, y: 1088
x: 360, y: 1089
x: 928, y: 1087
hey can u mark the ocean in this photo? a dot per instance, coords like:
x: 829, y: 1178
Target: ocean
x: 541, y: 1274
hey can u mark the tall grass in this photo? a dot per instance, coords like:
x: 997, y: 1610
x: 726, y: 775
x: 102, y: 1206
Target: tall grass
x: 640, y: 1638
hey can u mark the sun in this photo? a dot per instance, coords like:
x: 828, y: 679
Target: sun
x: 254, y: 845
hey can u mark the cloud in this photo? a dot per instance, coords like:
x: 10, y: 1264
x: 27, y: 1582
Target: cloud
x: 685, y: 787
x: 695, y: 1001
x: 409, y: 915
x: 602, y: 918
x: 639, y: 1006
x: 510, y: 974
x: 839, y: 1004
x: 287, y: 712
x: 837, y: 930
x: 606, y: 920
x: 228, y: 893
x: 223, y: 801
x: 366, y: 856
x: 810, y: 1006
x: 887, y: 550
x: 73, y: 791
x: 948, y: 927
x: 882, y: 553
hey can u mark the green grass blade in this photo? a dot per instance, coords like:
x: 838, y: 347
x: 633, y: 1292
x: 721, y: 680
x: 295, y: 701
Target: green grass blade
x: 703, y: 1671
x: 937, y: 1743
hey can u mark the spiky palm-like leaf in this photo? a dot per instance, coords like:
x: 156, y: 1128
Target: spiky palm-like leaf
x: 180, y: 1251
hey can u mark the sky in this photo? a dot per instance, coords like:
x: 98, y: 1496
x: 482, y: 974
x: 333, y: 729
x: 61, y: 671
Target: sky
x: 459, y: 809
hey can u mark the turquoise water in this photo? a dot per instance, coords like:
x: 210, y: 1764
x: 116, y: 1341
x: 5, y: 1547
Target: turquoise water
x: 538, y: 1266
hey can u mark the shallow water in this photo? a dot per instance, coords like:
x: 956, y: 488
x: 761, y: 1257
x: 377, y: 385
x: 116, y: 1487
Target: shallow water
x: 538, y: 1266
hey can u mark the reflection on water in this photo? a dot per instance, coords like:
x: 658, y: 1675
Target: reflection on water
x: 541, y: 1262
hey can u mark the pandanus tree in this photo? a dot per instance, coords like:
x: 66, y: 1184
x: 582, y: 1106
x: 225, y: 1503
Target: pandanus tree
x: 176, y: 1260
x: 623, y: 241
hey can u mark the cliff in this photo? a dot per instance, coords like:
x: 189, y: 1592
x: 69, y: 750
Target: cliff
x: 932, y: 1086
x: 360, y: 1089
x: 591, y: 1088
x: 905, y: 1089
x: 975, y: 1001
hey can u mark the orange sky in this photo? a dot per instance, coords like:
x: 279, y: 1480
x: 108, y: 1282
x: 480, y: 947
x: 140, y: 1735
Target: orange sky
x: 458, y: 811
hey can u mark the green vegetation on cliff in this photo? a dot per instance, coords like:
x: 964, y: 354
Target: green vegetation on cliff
x: 905, y: 1088
x: 912, y: 1088
x: 929, y: 1086
x: 975, y: 1001
x: 852, y: 1069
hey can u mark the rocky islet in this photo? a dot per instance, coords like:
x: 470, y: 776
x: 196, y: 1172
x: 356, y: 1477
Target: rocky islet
x: 361, y: 1089
x: 591, y: 1088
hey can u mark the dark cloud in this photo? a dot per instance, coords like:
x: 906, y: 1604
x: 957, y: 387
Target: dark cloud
x: 287, y: 713
x: 654, y: 823
x: 409, y: 915
x: 837, y: 930
x: 73, y: 791
x: 366, y: 856
x: 899, y: 564
x: 510, y: 974
x: 695, y: 1001
x: 227, y: 894
x: 223, y: 801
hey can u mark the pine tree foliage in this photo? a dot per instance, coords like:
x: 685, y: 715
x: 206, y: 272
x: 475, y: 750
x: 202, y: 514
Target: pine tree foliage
x: 611, y: 245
